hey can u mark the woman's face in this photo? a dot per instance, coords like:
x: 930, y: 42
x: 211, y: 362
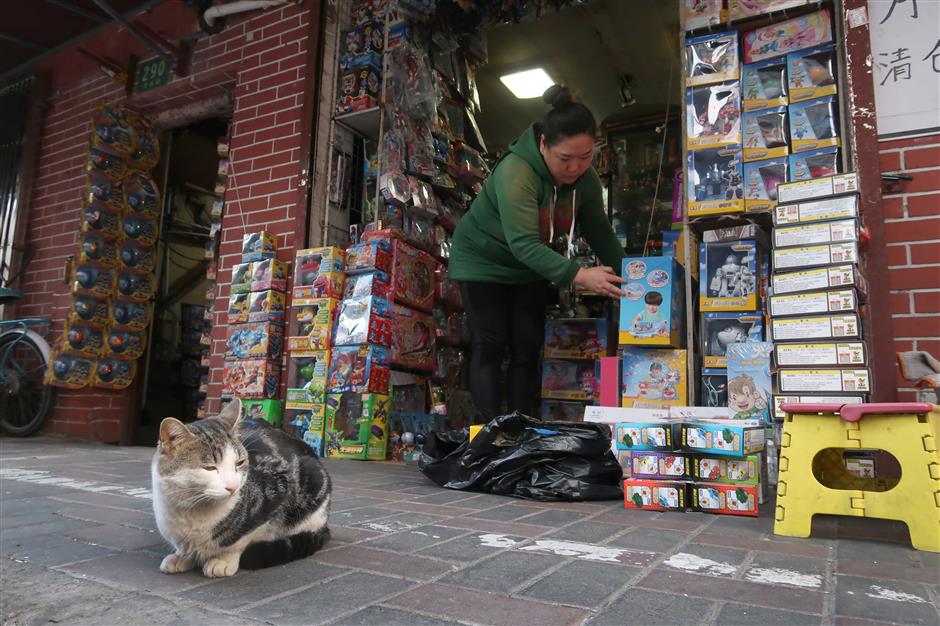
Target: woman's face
x: 569, y: 158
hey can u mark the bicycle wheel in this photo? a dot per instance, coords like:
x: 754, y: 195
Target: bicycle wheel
x: 24, y: 397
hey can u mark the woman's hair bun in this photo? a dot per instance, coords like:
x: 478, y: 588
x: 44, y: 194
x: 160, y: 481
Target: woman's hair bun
x: 557, y: 95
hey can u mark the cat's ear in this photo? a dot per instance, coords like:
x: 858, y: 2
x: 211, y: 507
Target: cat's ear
x: 172, y: 432
x: 231, y: 413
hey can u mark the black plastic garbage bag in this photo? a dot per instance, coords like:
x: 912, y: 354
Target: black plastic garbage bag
x: 516, y: 455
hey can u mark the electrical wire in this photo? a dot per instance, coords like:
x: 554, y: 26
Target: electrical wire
x: 180, y: 254
x: 662, y: 155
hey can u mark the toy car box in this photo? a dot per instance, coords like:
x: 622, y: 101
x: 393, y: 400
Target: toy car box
x: 269, y: 274
x: 766, y: 135
x: 254, y: 340
x: 653, y: 379
x: 570, y: 380
x: 238, y: 304
x: 817, y: 233
x: 712, y: 58
x: 821, y: 354
x: 241, y: 277
x: 716, y: 469
x: 357, y: 426
x: 814, y: 124
x: 814, y: 164
x: 836, y: 301
x: 413, y: 339
x: 413, y: 276
x: 659, y: 465
x: 843, y: 326
x: 318, y: 273
x: 724, y: 499
x: 714, y: 387
x: 817, y: 279
x: 749, y: 380
x: 728, y: 273
x: 270, y: 411
x: 361, y: 369
x: 369, y: 257
x: 652, y: 435
x: 723, y: 437
x: 368, y: 284
x: 780, y: 400
x: 811, y: 73
x: 652, y: 311
x: 265, y: 306
x: 307, y: 375
x: 721, y: 329
x: 575, y: 339
x: 716, y: 181
x: 764, y: 85
x: 258, y: 378
x: 761, y: 179
x: 311, y: 324
x: 832, y: 381
x: 363, y: 320
x: 654, y: 495
x: 713, y: 115
x: 258, y: 246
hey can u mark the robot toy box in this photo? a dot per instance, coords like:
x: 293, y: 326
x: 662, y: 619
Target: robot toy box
x: 570, y: 380
x: 413, y: 339
x: 413, y: 276
x: 653, y: 379
x: 265, y: 306
x: 252, y: 379
x: 318, y: 273
x: 749, y: 382
x: 258, y: 246
x: 738, y: 438
x: 649, y: 435
x: 311, y: 325
x: 719, y: 330
x: 654, y: 495
x: 362, y: 369
x: 712, y: 58
x: 814, y: 124
x: 369, y: 257
x: 812, y: 73
x: 270, y: 411
x: 764, y: 85
x: 724, y: 499
x: 309, y: 425
x: 307, y: 376
x: 357, y: 426
x: 713, y: 114
x: 652, y: 311
x: 836, y: 301
x: 241, y: 277
x: 832, y: 381
x: 369, y: 284
x: 716, y: 181
x: 765, y: 134
x: 269, y: 274
x: 238, y: 304
x: 575, y: 339
x: 714, y: 390
x: 254, y: 340
x: 659, y: 465
x: 360, y: 88
x: 728, y: 271
x: 716, y: 469
x: 364, y: 320
x: 814, y: 164
x: 760, y: 184
x: 780, y: 38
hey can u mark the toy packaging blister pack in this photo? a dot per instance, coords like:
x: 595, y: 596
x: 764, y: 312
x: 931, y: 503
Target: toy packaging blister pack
x: 838, y: 231
x: 724, y: 499
x: 780, y: 38
x: 265, y: 306
x: 760, y: 184
x: 714, y: 115
x: 363, y: 320
x: 241, y: 277
x: 137, y: 258
x: 766, y: 134
x: 835, y: 381
x: 131, y: 315
x: 645, y: 435
x: 102, y: 221
x: 814, y: 124
x: 654, y: 495
x: 140, y: 229
x: 141, y: 196
x: 89, y: 311
x: 83, y: 341
x: 111, y: 132
x: 254, y: 340
x: 93, y: 280
x: 258, y: 246
x: 814, y: 164
x: 369, y: 284
x: 651, y: 311
x: 712, y: 59
x: 256, y: 378
x: 362, y: 369
x: 369, y: 257
x: 311, y: 325
x: 728, y: 271
x: 764, y: 85
x: 816, y: 211
x: 835, y: 301
x: 749, y: 380
x: 653, y: 379
x: 318, y: 273
x: 714, y: 387
x: 821, y: 354
x: 104, y: 192
x: 307, y: 378
x: 269, y: 274
x: 812, y: 73
x: 665, y: 465
x: 570, y: 380
x: 575, y: 339
x: 842, y: 326
x: 70, y: 372
x: 413, y: 339
x: 702, y: 13
x: 112, y: 373
x: 137, y: 287
x: 716, y: 469
x: 719, y: 330
x: 125, y: 345
x: 357, y: 425
x: 94, y: 249
x: 716, y: 181
x: 723, y: 437
x: 413, y: 276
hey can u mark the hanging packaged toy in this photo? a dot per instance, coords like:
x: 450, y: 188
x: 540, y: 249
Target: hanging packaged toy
x: 103, y: 163
x: 83, y: 341
x: 140, y: 229
x: 749, y: 382
x: 418, y: 230
x: 311, y: 326
x: 111, y: 131
x: 307, y: 378
x: 94, y: 249
x: 740, y: 9
x: 362, y: 369
x: 764, y: 85
x: 130, y: 314
x: 815, y: 164
x: 812, y: 73
x: 126, y: 345
x: 395, y: 188
x: 141, y: 195
x: 269, y: 274
x: 760, y: 184
x: 413, y: 273
x: 765, y: 134
x: 94, y: 280
x: 102, y: 221
x: 728, y: 271
x: 105, y: 192
x: 814, y: 124
x: 112, y: 373
x: 716, y: 181
x: 241, y: 277
x: 422, y: 196
x: 146, y: 150
x: 712, y: 58
x: 420, y: 145
x: 571, y: 380
x: 412, y: 339
x: 450, y: 362
x: 363, y: 320
x: 259, y: 378
x: 368, y: 257
x: 137, y: 287
x: 89, y: 310
x: 137, y: 258
x: 69, y: 372
x: 799, y: 33
x: 719, y: 330
x: 701, y: 14
x: 714, y: 115
x: 318, y: 273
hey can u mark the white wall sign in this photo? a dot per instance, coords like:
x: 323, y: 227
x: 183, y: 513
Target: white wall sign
x: 905, y: 48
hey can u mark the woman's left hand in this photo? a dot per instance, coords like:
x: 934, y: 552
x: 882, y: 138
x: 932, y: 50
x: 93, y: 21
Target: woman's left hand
x: 600, y: 280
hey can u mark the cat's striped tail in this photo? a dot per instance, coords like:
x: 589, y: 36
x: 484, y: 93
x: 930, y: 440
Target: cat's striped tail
x: 269, y: 553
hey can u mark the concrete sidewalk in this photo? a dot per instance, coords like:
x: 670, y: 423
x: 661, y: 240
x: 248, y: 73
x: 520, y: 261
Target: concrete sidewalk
x: 80, y: 546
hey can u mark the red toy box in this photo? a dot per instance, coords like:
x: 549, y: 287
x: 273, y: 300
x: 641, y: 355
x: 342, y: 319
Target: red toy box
x: 258, y: 378
x: 413, y: 274
x: 413, y: 339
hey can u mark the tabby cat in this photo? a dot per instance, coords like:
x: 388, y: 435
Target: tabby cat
x: 231, y: 493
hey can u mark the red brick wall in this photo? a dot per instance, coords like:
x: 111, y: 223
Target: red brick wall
x: 260, y: 64
x: 912, y: 237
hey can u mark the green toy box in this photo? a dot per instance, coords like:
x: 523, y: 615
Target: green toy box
x: 357, y: 426
x: 271, y: 411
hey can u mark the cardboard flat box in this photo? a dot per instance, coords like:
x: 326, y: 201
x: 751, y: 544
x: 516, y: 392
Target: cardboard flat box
x: 836, y: 381
x: 724, y: 499
x: 834, y: 276
x: 723, y: 437
x: 813, y: 256
x: 654, y: 495
x: 779, y: 400
x: 836, y: 301
x: 816, y: 233
x: 821, y: 354
x: 810, y: 328
x: 843, y: 207
x: 659, y: 465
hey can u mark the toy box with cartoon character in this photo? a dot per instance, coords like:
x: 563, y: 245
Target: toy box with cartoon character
x: 728, y: 271
x: 318, y: 273
x: 570, y: 380
x: 653, y: 379
x: 812, y: 73
x: 258, y: 246
x: 362, y: 369
x: 307, y: 378
x: 719, y: 330
x: 702, y: 13
x: 357, y: 425
x: 266, y: 306
x: 834, y: 381
x: 712, y: 58
x: 369, y: 257
x: 651, y: 311
x: 714, y: 388
x: 654, y: 495
x: 646, y: 435
x: 724, y: 499
x: 368, y: 284
x: 363, y: 320
x: 311, y: 325
x: 269, y: 274
x: 777, y: 39
x: 309, y: 425
x: 843, y: 326
x: 764, y: 85
x: 814, y: 164
x: 270, y: 411
x: 765, y: 134
x: 723, y: 437
x: 813, y: 303
x: 112, y: 373
x: 413, y: 274
x: 664, y: 465
x: 413, y: 339
x: 716, y: 469
x: 716, y: 181
x: 575, y: 339
x: 761, y: 179
x: 814, y: 124
x: 241, y: 277
x: 254, y: 340
x: 238, y: 304
x: 713, y: 116
x: 359, y: 89
x: 749, y: 381
x: 812, y: 256
x: 257, y: 378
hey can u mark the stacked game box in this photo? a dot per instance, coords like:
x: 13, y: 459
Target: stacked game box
x: 571, y: 367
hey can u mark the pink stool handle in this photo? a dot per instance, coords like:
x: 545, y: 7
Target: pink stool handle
x: 854, y: 412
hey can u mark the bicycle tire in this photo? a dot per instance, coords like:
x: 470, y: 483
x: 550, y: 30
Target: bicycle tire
x: 25, y: 399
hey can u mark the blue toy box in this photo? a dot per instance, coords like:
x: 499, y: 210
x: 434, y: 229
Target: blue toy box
x: 652, y: 435
x: 764, y: 84
x: 720, y: 330
x: 654, y: 379
x: 728, y: 276
x: 723, y: 437
x: 652, y: 311
x: 765, y: 134
x: 814, y: 124
x: 749, y: 383
x: 815, y: 164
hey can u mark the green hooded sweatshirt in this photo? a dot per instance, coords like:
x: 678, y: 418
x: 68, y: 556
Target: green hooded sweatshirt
x: 504, y: 237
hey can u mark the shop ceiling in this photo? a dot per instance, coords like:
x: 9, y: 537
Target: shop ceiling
x: 588, y: 48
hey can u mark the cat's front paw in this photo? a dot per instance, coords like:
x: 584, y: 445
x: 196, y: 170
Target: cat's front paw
x: 175, y: 563
x: 220, y: 567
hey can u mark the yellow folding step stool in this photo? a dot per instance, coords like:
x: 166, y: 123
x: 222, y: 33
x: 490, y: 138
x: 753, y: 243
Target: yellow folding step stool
x: 813, y: 436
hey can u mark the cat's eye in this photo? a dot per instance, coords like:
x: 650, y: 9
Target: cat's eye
x: 240, y: 463
x: 209, y: 468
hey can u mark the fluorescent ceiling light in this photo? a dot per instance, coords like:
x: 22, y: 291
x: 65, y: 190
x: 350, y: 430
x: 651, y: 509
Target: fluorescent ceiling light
x: 528, y: 84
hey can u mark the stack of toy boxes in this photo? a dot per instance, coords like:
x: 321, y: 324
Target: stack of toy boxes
x: 357, y: 400
x: 571, y: 369
x: 255, y: 340
x: 815, y: 323
x: 319, y: 280
x: 362, y: 46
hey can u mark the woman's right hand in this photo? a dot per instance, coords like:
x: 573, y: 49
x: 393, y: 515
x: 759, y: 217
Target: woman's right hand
x: 600, y: 280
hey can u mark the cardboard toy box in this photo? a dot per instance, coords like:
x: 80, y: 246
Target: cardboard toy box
x: 702, y: 13
x: 649, y: 435
x: 785, y: 259
x: 357, y: 425
x: 318, y: 273
x: 254, y: 340
x: 258, y: 246
x: 716, y: 469
x: 654, y: 495
x: 819, y: 188
x: 361, y: 369
x: 368, y: 284
x: 270, y: 411
x: 834, y: 381
x: 766, y: 135
x: 258, y: 378
x: 749, y: 380
x: 562, y: 410
x: 659, y: 465
x: 742, y: 9
x: 265, y: 306
x: 653, y: 378
x: 238, y: 304
x: 713, y: 116
x: 575, y: 339
x: 814, y: 124
x: 780, y: 400
x: 724, y: 499
x: 728, y: 276
x: 413, y: 339
x: 814, y: 164
x: 571, y: 380
x: 269, y: 274
x: 359, y: 89
x: 307, y: 375
x: 413, y: 276
x: 817, y: 279
x: 714, y: 388
x: 311, y: 324
x: 817, y: 233
x: 764, y: 85
x: 309, y: 424
x: 778, y: 38
x: 721, y: 329
x: 716, y: 181
x: 241, y: 277
x: 369, y: 257
x: 821, y: 354
x: 842, y: 326
x: 811, y: 73
x: 761, y: 179
x: 363, y: 320
x: 652, y: 311
x: 733, y: 437
x: 712, y: 58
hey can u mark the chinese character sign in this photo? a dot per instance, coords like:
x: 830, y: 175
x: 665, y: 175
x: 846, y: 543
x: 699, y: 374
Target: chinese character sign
x: 905, y: 48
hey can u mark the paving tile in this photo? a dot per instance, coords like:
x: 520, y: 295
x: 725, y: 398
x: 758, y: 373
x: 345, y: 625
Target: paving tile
x: 136, y: 571
x: 49, y: 525
x: 891, y: 601
x: 743, y: 526
x: 27, y: 506
x: 324, y: 602
x: 446, y: 496
x: 586, y: 508
x: 433, y: 509
x: 348, y: 534
x: 876, y: 552
x: 488, y: 526
x: 117, y: 537
x: 486, y: 608
x: 355, y: 516
x: 581, y: 583
x: 746, y: 615
x: 647, y: 519
x: 768, y: 545
x: 338, y: 505
x: 722, y: 588
x: 464, y: 549
x: 856, y: 621
x: 376, y: 615
x: 930, y: 559
x: 398, y: 523
x: 650, y: 539
x: 553, y: 518
x: 484, y: 501
x: 415, y: 538
x: 51, y: 550
x: 785, y: 569
x: 650, y: 608
x: 103, y: 514
x: 719, y: 554
x: 587, y: 531
x: 502, y: 572
x: 107, y: 499
x: 505, y: 513
x: 873, y: 528
x: 384, y: 562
